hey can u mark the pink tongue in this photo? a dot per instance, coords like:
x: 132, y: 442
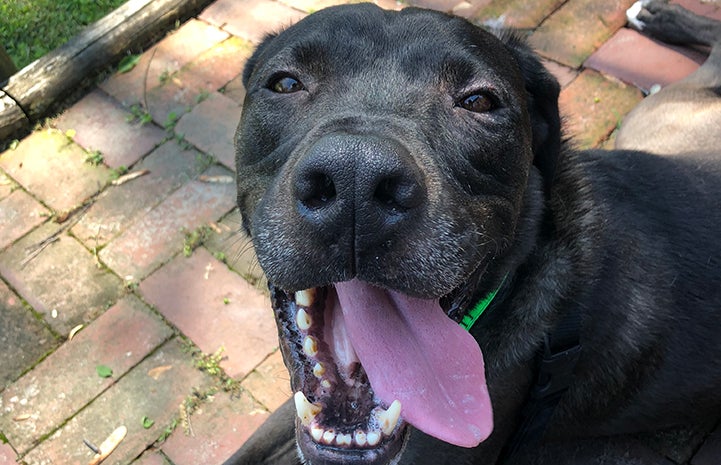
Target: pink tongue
x: 413, y: 352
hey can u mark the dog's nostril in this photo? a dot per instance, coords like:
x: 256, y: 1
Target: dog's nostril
x: 397, y: 193
x: 315, y: 190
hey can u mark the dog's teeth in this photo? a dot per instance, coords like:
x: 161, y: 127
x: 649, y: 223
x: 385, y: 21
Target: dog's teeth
x: 343, y: 439
x: 305, y: 298
x: 303, y: 320
x: 373, y: 438
x: 329, y: 436
x: 325, y: 383
x: 389, y: 418
x: 310, y: 346
x: 360, y: 438
x: 318, y: 370
x: 317, y: 433
x: 306, y: 411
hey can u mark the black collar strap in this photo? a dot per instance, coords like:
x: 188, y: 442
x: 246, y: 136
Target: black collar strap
x: 561, y: 351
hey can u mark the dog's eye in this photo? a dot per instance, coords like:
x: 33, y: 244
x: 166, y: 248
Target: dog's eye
x: 478, y: 103
x: 286, y: 85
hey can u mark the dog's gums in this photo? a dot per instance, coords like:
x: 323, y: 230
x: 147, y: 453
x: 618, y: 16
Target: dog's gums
x: 354, y: 394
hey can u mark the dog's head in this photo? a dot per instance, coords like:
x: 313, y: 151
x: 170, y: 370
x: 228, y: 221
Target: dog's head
x: 387, y: 163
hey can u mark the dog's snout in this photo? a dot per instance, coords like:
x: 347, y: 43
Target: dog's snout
x: 361, y: 181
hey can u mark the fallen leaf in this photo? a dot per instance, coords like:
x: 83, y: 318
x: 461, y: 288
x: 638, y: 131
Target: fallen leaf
x: 74, y: 331
x: 109, y: 445
x: 127, y: 63
x: 104, y: 371
x: 157, y: 371
x: 214, y: 226
x: 129, y: 177
x: 216, y: 179
x: 147, y: 422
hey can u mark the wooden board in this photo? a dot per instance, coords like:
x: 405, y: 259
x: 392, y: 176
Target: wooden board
x: 47, y: 80
x: 12, y: 118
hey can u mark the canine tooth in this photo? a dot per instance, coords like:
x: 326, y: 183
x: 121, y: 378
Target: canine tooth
x: 317, y: 433
x: 389, y: 418
x: 325, y: 383
x: 373, y: 437
x: 329, y: 436
x: 310, y: 346
x: 306, y: 411
x: 318, y: 370
x: 360, y: 438
x: 305, y: 297
x: 343, y: 439
x: 303, y: 319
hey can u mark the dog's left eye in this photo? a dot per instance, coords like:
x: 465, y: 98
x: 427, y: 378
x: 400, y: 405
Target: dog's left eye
x: 286, y: 85
x: 478, y: 103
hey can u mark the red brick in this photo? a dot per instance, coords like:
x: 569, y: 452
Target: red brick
x: 153, y: 389
x: 269, y: 383
x: 309, y: 6
x: 563, y: 74
x: 19, y: 213
x: 64, y: 277
x: 520, y: 14
x: 578, y: 28
x: 162, y: 60
x: 67, y: 381
x: 215, y: 308
x: 169, y: 166
x: 237, y: 249
x: 159, y: 234
x: 235, y: 90
x: 638, y: 60
x: 439, y: 5
x: 220, y: 427
x: 205, y: 74
x: 594, y: 107
x: 211, y: 127
x: 250, y: 19
x: 151, y: 458
x: 7, y: 187
x: 390, y: 4
x: 101, y: 123
x: 7, y: 455
x: 45, y: 160
x: 23, y: 338
x: 712, y: 9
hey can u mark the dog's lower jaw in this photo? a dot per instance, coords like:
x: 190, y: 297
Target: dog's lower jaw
x: 393, y: 460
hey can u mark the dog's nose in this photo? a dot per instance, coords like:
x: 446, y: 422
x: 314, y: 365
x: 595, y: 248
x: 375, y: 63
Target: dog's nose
x: 358, y: 184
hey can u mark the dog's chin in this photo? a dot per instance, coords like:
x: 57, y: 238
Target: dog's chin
x: 387, y: 451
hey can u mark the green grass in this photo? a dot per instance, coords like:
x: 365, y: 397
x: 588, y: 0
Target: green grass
x: 31, y: 28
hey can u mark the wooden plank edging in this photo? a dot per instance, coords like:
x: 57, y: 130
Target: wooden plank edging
x: 32, y: 91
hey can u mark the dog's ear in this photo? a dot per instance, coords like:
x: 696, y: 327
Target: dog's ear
x: 543, y: 90
x: 253, y: 60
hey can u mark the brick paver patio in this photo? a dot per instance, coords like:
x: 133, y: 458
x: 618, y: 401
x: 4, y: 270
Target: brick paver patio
x: 152, y: 278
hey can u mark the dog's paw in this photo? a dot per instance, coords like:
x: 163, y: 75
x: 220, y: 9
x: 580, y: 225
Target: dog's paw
x: 633, y: 12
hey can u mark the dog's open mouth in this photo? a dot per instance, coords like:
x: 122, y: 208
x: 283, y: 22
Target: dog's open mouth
x: 366, y: 362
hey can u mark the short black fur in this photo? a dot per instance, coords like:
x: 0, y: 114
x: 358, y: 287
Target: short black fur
x: 627, y: 238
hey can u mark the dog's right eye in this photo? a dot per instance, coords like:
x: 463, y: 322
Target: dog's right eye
x: 286, y: 85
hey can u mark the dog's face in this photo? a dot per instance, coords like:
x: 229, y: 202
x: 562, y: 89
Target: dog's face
x: 383, y: 160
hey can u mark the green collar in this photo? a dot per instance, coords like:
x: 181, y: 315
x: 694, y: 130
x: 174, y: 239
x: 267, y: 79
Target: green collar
x: 470, y: 318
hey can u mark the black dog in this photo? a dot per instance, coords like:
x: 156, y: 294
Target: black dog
x: 400, y: 172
